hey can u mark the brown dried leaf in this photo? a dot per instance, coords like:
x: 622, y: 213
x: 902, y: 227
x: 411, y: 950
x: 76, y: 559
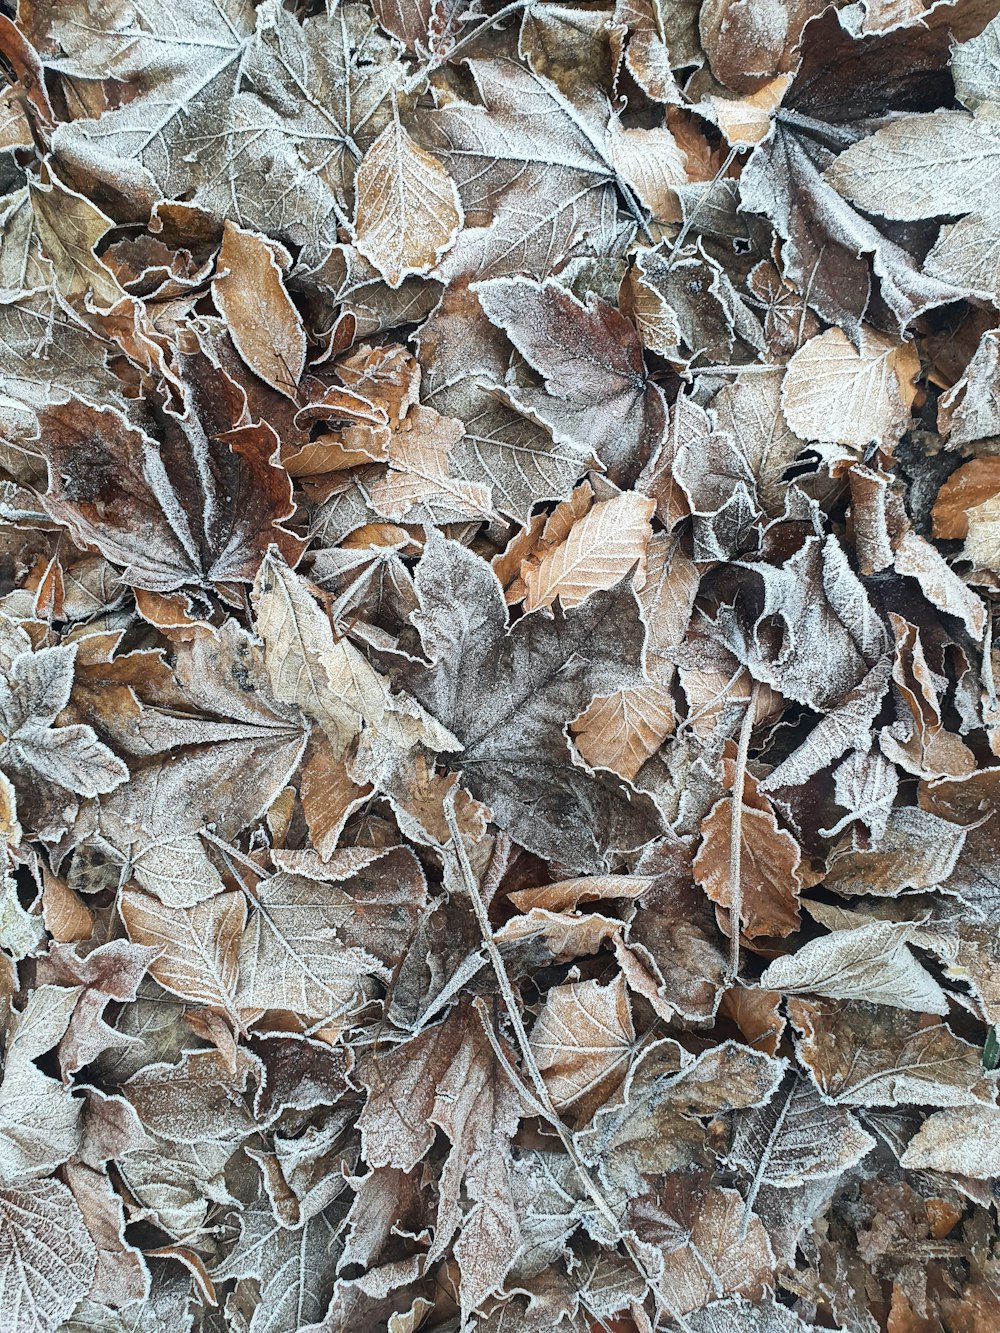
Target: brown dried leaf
x: 770, y: 862
x: 622, y: 731
x: 199, y: 946
x: 251, y: 296
x: 599, y: 550
x: 407, y: 212
x: 582, y: 1040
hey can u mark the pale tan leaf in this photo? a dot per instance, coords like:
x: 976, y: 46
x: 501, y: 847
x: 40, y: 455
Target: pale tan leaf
x: 542, y: 535
x: 874, y: 1055
x: 39, y: 1118
x: 407, y: 210
x: 598, y: 552
x: 328, y: 678
x: 328, y: 794
x: 916, y: 557
x: 566, y: 935
x: 835, y: 393
x: 964, y: 1140
x: 657, y: 320
x: 621, y: 731
x: 712, y: 1245
x: 653, y: 164
x: 199, y: 945
x: 746, y: 120
x: 569, y: 893
x: 69, y: 226
x: 420, y: 473
x: 667, y: 600
x: 770, y: 861
x: 921, y: 166
x: 871, y: 962
x: 251, y: 296
x: 66, y: 917
x: 582, y: 1040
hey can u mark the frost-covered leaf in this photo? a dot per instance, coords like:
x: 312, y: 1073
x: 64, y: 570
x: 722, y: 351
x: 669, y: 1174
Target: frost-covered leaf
x: 870, y: 962
x: 835, y: 392
x: 406, y: 212
x: 597, y: 397
x: 507, y: 694
x: 198, y: 945
x: 47, y: 1257
x: 863, y: 1054
x: 962, y: 1140
x: 794, y: 1138
x: 921, y: 167
x: 263, y: 323
x: 582, y: 1039
x: 600, y: 549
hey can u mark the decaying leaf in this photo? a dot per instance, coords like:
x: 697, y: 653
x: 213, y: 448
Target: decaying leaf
x: 582, y: 1040
x: 835, y: 392
x: 47, y: 1257
x: 264, y: 325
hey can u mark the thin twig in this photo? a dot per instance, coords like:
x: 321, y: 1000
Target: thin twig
x: 736, y: 834
x: 689, y: 221
x: 424, y: 71
x: 531, y: 1066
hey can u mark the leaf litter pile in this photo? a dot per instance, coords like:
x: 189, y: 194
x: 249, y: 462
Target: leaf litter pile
x: 498, y: 711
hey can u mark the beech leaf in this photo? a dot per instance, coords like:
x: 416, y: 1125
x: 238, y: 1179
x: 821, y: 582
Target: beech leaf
x: 407, y: 212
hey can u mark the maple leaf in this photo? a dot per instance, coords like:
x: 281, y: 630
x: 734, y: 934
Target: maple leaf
x: 524, y: 143
x: 241, y: 746
x: 596, y: 395
x: 193, y: 536
x: 211, y: 83
x: 831, y: 250
x: 507, y: 693
x: 462, y: 356
x: 48, y: 1257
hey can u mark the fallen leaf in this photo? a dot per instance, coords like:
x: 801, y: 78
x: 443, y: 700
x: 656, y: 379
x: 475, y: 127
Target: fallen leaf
x: 251, y: 296
x: 407, y: 212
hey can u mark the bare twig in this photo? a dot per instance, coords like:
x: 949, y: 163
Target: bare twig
x: 463, y: 43
x: 541, y: 1092
x: 736, y: 834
